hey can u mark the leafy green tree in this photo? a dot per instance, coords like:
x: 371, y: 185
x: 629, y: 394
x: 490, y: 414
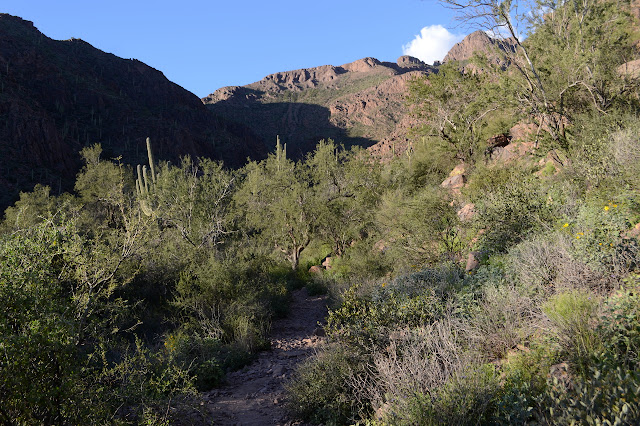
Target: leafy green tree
x: 421, y: 228
x: 279, y: 204
x: 347, y: 186
x: 579, y: 46
x: 194, y: 199
x: 568, y: 62
x: 455, y: 107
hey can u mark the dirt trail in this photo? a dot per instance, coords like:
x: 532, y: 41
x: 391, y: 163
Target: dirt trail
x: 255, y: 394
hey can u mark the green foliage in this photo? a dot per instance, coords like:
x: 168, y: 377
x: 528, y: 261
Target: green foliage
x: 366, y: 315
x: 619, y: 326
x: 600, y: 236
x: 456, y: 107
x: 230, y: 300
x: 39, y: 369
x: 577, y: 50
x: 429, y: 163
x: 420, y: 228
x: 194, y: 202
x: 605, y: 397
x: 573, y: 315
x: 277, y: 188
x: 464, y: 400
x: 321, y: 391
x: 514, y: 207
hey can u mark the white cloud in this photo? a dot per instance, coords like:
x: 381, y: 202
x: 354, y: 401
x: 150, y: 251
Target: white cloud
x: 432, y: 44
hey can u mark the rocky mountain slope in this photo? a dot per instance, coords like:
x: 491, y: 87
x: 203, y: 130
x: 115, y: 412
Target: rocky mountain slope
x: 360, y: 103
x: 479, y: 42
x: 58, y: 96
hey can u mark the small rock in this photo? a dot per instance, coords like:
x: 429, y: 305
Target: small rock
x: 315, y: 270
x: 473, y: 261
x: 454, y: 183
x: 458, y: 170
x: 467, y: 212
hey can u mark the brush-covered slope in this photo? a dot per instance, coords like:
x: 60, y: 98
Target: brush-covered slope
x: 360, y: 103
x: 58, y: 96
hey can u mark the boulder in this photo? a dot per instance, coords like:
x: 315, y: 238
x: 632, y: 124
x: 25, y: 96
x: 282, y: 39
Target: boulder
x: 315, y: 270
x: 467, y: 212
x: 454, y: 183
x: 327, y: 262
x: 473, y: 261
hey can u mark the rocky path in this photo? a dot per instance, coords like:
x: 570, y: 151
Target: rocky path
x: 255, y: 394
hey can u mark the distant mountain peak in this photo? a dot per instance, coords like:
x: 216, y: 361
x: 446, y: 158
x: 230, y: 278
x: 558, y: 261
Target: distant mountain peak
x: 478, y: 42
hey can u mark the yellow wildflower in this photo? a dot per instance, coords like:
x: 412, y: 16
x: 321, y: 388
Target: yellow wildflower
x: 565, y: 225
x: 606, y: 207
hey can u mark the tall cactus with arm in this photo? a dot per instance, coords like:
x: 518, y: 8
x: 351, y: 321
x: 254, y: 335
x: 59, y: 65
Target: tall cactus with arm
x: 143, y: 185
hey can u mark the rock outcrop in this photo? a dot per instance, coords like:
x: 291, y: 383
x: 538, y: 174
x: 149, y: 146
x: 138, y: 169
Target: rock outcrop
x: 359, y: 103
x: 480, y: 42
x: 58, y: 96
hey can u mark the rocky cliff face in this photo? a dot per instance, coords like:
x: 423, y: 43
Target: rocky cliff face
x: 480, y: 42
x: 359, y: 103
x: 58, y: 96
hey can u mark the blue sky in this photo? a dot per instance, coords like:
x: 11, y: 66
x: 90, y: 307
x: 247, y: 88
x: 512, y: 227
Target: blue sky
x: 204, y: 45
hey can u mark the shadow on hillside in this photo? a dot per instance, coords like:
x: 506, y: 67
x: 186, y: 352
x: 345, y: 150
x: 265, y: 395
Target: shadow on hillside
x: 299, y: 125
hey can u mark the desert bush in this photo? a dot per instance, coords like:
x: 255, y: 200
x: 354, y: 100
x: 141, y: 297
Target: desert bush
x: 206, y: 359
x: 361, y: 261
x: 320, y: 390
x: 600, y: 238
x: 619, y: 326
x: 429, y: 163
x: 524, y: 382
x: 422, y: 371
x: 365, y: 318
x: 140, y: 382
x: 574, y: 315
x: 625, y: 149
x: 503, y: 318
x: 603, y: 397
x: 420, y: 228
x: 545, y: 264
x: 230, y: 301
x: 512, y: 209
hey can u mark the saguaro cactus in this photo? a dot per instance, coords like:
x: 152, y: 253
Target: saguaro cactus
x: 144, y: 186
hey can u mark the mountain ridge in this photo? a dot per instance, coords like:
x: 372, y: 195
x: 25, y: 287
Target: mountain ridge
x: 58, y: 96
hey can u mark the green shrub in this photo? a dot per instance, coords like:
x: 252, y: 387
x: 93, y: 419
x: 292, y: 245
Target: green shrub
x: 231, y: 301
x: 412, y: 300
x: 466, y: 399
x: 603, y: 397
x: 320, y: 391
x: 619, y: 325
x: 599, y: 237
x: 524, y: 382
x: 512, y: 208
x: 573, y: 314
x: 503, y: 317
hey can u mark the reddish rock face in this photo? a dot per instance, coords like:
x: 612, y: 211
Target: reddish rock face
x: 360, y: 103
x: 480, y: 42
x: 58, y: 96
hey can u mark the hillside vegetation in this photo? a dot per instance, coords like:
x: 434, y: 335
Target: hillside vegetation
x: 509, y: 294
